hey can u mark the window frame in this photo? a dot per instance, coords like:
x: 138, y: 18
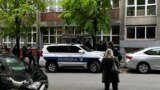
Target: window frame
x: 54, y: 35
x: 112, y: 4
x: 135, y: 8
x: 135, y: 36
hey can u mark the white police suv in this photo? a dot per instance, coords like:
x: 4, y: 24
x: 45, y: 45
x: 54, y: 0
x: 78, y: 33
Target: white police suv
x: 71, y: 55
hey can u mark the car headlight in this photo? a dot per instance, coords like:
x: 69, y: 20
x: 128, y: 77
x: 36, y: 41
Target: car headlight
x: 34, y: 85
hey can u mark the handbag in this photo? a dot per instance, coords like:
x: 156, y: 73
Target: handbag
x: 115, y: 68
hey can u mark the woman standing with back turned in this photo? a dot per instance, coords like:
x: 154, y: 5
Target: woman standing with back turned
x: 108, y: 76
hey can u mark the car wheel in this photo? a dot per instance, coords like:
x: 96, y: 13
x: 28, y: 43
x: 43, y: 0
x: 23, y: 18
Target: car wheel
x: 94, y: 67
x: 143, y: 68
x: 52, y: 66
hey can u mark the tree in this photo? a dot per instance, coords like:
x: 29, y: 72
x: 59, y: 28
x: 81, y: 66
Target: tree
x: 18, y: 17
x: 91, y: 15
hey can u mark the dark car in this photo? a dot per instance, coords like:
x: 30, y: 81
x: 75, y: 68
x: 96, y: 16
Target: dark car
x: 16, y: 74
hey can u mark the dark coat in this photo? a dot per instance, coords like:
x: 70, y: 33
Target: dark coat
x: 107, y: 75
x: 15, y: 51
x: 117, y: 53
x: 24, y: 51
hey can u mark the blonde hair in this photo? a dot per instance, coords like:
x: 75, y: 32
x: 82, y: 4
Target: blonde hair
x: 109, y: 53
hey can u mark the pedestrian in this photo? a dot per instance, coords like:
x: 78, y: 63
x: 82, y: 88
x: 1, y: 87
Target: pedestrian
x: 107, y: 75
x: 38, y: 56
x: 116, y: 52
x: 99, y: 46
x: 104, y: 45
x: 24, y: 52
x: 15, y: 51
x: 30, y: 56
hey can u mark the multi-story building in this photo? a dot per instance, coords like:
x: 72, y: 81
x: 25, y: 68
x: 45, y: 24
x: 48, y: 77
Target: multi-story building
x: 134, y: 24
x: 52, y: 29
x: 140, y: 24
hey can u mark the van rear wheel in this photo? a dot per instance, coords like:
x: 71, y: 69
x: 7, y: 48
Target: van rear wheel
x: 52, y: 67
x: 94, y: 67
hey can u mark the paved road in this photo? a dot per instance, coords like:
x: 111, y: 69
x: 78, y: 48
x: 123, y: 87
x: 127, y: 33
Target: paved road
x: 83, y: 80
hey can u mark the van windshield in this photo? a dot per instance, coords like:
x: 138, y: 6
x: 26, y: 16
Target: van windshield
x: 86, y: 49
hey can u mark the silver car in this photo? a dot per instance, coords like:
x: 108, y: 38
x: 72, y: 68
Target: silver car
x: 144, y: 60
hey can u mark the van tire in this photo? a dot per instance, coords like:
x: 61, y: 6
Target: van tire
x: 52, y: 67
x: 94, y: 67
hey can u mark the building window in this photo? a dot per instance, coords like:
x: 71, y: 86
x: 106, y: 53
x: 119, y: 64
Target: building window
x: 7, y: 41
x: 113, y: 36
x: 58, y: 30
x: 130, y: 2
x: 32, y: 38
x: 141, y: 2
x: 52, y: 35
x: 141, y: 7
x: 151, y: 1
x: 140, y: 10
x: 151, y: 10
x: 140, y: 32
x: 115, y: 3
x: 130, y: 32
x: 115, y: 30
x: 77, y: 31
x: 150, y: 32
x: 69, y: 30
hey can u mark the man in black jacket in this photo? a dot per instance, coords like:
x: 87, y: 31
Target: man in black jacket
x: 115, y: 51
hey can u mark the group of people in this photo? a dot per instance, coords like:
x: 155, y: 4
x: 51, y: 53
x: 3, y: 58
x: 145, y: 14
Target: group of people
x: 27, y: 52
x: 102, y: 45
x: 111, y: 55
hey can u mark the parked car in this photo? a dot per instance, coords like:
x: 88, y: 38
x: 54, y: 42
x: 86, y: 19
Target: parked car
x: 71, y: 55
x: 16, y: 74
x: 144, y: 60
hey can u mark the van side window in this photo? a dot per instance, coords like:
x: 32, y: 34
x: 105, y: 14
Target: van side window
x: 74, y: 49
x: 63, y: 49
x: 52, y: 48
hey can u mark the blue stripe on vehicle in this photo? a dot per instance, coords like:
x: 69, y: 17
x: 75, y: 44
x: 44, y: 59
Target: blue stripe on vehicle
x: 69, y: 59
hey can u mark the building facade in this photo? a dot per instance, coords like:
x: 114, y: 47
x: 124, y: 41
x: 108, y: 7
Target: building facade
x: 134, y: 25
x: 52, y: 29
x: 139, y: 24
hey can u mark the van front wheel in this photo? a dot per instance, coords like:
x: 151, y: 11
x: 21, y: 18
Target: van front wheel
x: 94, y: 67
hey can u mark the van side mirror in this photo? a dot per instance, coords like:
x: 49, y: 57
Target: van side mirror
x: 2, y: 67
x: 81, y: 51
